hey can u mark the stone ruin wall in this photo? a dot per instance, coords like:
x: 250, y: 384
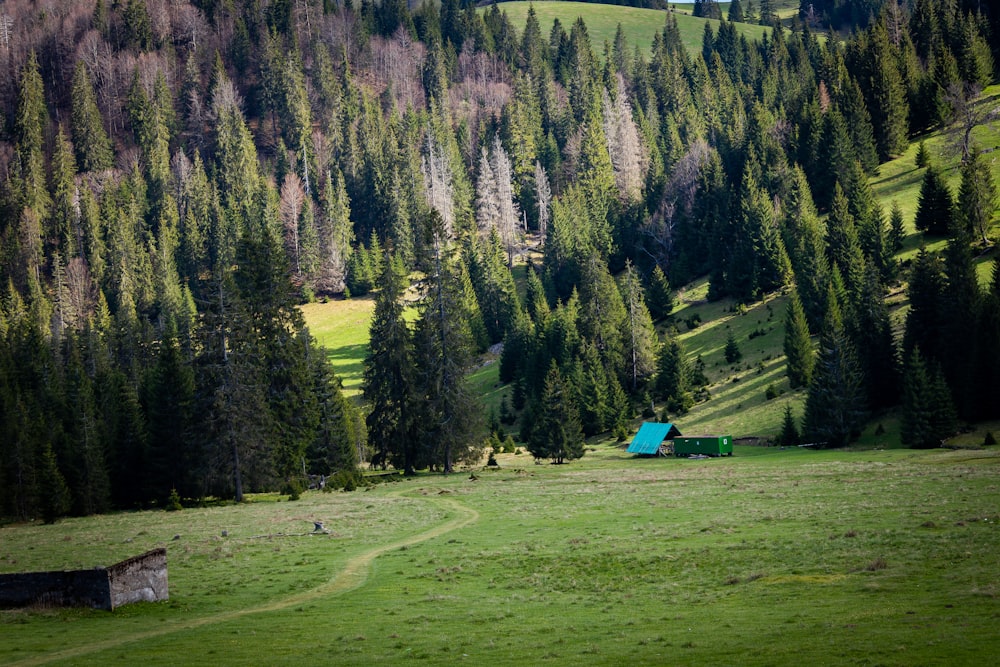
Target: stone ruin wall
x: 141, y: 578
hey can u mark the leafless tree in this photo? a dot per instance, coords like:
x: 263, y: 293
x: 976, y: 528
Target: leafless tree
x: 628, y: 155
x: 969, y: 113
x: 509, y: 215
x: 543, y: 195
x: 678, y: 197
x: 293, y: 197
x: 438, y: 188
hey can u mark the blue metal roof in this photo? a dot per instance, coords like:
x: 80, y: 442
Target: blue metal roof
x: 650, y: 436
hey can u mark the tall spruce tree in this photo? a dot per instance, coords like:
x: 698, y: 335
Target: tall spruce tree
x: 835, y: 404
x: 558, y: 434
x: 93, y: 147
x: 926, y: 414
x: 798, y: 346
x: 444, y: 344
x: 977, y: 197
x: 389, y: 379
x: 935, y: 207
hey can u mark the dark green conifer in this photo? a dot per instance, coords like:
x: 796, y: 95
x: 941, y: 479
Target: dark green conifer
x: 557, y: 434
x: 935, y: 207
x: 91, y: 142
x: 798, y: 346
x: 835, y: 404
x: 977, y: 197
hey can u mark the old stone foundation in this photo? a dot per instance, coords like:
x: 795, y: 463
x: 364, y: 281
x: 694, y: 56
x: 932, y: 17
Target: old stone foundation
x: 137, y: 579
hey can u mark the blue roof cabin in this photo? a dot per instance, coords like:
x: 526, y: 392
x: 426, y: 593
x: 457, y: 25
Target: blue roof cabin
x: 650, y: 436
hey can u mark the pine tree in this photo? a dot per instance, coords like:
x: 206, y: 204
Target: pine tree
x: 735, y: 12
x: 389, y: 379
x: 924, y: 321
x: 444, y: 343
x: 842, y: 244
x: 169, y: 400
x: 789, y: 435
x: 935, y: 208
x: 835, y: 404
x: 926, y: 413
x: 658, y: 296
x: 961, y: 303
x: 798, y: 346
x: 897, y: 230
x: 590, y: 381
x: 494, y: 286
x: 886, y: 95
x: 30, y: 121
x: 641, y: 336
x: 732, y: 350
x: 558, y: 434
x: 977, y: 197
x: 93, y: 147
x: 673, y: 377
x: 870, y: 330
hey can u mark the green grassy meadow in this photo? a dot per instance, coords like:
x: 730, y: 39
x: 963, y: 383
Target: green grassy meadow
x: 769, y: 557
x: 341, y: 326
x: 602, y: 22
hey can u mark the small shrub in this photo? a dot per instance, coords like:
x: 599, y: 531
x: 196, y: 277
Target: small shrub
x: 757, y: 333
x: 990, y: 439
x: 492, y: 461
x: 771, y: 392
x: 174, y: 501
x: 293, y: 488
x: 693, y: 321
x: 879, y: 430
x: 348, y: 480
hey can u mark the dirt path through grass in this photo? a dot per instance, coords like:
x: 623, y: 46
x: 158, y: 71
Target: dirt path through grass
x: 353, y: 575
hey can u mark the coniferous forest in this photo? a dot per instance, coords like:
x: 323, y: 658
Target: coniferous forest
x: 178, y: 177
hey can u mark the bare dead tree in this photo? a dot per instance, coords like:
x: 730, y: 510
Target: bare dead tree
x: 543, y: 194
x: 438, y: 188
x: 629, y: 157
x: 293, y: 197
x: 969, y: 112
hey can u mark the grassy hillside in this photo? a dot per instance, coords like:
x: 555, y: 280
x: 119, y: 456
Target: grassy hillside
x: 899, y: 180
x: 771, y: 557
x: 602, y: 22
x: 342, y: 328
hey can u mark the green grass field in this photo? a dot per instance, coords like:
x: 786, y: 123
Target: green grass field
x: 769, y: 557
x: 602, y: 22
x: 341, y: 327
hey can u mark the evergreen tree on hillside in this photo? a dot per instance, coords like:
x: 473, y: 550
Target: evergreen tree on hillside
x: 798, y: 346
x: 789, y: 435
x: 924, y: 321
x: 658, y: 296
x: 673, y: 382
x: 93, y: 147
x: 870, y: 330
x: 977, y: 197
x: 835, y: 404
x: 444, y: 344
x: 557, y: 434
x: 389, y: 379
x: 927, y: 415
x: 897, y: 229
x: 935, y: 207
x: 640, y: 335
x: 961, y: 304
